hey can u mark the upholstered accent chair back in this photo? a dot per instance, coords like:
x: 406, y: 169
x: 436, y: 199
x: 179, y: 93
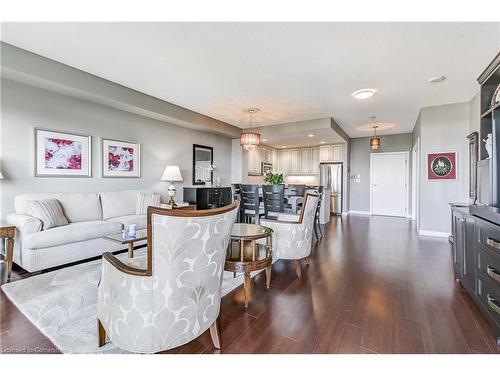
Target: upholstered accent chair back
x: 292, y: 240
x: 178, y: 296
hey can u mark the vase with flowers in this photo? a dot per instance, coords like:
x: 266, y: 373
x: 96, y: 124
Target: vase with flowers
x: 273, y: 178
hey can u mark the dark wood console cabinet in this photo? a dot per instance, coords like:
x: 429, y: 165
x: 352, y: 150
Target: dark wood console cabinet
x: 208, y: 197
x: 476, y: 261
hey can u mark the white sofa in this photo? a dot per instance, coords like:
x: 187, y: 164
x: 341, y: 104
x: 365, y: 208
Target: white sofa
x: 91, y: 216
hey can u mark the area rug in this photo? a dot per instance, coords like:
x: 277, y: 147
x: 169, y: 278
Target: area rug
x: 62, y: 304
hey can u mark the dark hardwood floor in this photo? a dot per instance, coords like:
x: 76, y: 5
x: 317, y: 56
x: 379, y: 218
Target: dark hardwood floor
x: 373, y: 286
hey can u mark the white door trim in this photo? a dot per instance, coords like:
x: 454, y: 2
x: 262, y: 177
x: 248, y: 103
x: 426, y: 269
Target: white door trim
x: 407, y: 175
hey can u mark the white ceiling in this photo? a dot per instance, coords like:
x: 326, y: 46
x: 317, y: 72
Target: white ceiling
x: 300, y: 138
x: 292, y: 71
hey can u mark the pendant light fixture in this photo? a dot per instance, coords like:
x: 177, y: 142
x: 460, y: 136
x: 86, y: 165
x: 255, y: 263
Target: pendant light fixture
x: 374, y: 141
x: 250, y: 140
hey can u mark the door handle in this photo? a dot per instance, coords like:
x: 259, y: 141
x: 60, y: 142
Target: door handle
x: 493, y: 303
x: 493, y: 273
x: 493, y: 243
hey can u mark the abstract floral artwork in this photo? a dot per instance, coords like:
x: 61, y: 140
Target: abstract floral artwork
x: 441, y: 166
x: 62, y: 154
x: 120, y: 159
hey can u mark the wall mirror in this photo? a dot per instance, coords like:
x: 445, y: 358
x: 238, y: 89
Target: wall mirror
x: 203, y: 158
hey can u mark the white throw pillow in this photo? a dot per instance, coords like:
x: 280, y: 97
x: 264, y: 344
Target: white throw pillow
x: 144, y: 200
x: 49, y: 212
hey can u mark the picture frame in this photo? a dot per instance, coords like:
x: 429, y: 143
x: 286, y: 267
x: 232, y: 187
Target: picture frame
x: 62, y: 154
x: 442, y: 166
x: 473, y: 159
x: 120, y: 159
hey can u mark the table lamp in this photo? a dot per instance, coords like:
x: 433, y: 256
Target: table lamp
x: 172, y: 173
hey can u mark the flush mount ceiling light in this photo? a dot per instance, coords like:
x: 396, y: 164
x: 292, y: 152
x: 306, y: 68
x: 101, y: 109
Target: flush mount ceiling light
x: 250, y: 140
x: 322, y: 142
x: 363, y: 93
x: 310, y: 135
x: 283, y: 146
x: 374, y: 141
x: 437, y: 79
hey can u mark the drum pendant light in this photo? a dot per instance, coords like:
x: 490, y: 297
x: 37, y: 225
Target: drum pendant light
x: 250, y: 140
x: 374, y: 141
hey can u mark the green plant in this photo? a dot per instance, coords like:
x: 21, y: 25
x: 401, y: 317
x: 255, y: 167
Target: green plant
x: 273, y: 178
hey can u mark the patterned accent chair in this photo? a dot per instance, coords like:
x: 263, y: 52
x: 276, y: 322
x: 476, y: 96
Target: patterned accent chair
x: 171, y: 295
x: 292, y: 235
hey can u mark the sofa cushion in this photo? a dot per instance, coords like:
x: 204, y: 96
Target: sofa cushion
x: 140, y: 220
x: 119, y: 203
x: 49, y: 212
x: 144, y: 200
x: 73, y: 232
x: 76, y: 206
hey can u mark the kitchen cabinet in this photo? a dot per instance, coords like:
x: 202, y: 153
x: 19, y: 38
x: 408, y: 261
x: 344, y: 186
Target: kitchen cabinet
x: 315, y: 160
x: 284, y: 161
x: 305, y: 160
x: 330, y: 153
x: 295, y: 160
x: 254, y: 162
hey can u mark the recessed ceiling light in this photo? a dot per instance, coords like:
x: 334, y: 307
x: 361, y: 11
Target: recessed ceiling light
x: 363, y: 93
x: 322, y: 142
x: 283, y: 146
x: 310, y: 135
x: 264, y: 140
x: 437, y: 79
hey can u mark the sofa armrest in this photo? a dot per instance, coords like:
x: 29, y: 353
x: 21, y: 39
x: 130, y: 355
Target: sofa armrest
x: 24, y: 223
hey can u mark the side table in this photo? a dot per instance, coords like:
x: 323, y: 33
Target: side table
x: 245, y: 255
x: 8, y: 231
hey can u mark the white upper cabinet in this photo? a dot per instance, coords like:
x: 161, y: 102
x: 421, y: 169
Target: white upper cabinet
x: 329, y: 153
x: 337, y: 153
x: 295, y: 160
x: 305, y: 160
x: 298, y: 161
x: 315, y: 160
x: 284, y: 161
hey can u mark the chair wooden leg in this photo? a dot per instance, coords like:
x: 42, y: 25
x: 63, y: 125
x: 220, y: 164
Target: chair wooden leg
x: 214, y: 334
x: 268, y: 276
x: 298, y: 268
x: 101, y: 333
x: 307, y: 260
x: 315, y: 227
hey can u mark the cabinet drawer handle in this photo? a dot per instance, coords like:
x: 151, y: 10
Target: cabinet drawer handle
x: 493, y: 243
x: 493, y: 273
x: 493, y: 304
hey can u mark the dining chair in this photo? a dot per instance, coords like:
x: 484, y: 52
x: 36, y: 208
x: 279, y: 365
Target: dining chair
x: 237, y: 197
x: 317, y: 226
x: 274, y: 200
x: 171, y: 295
x: 250, y: 204
x: 292, y: 234
x: 299, y: 190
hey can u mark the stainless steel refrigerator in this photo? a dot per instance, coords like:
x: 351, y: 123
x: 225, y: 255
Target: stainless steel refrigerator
x: 330, y: 177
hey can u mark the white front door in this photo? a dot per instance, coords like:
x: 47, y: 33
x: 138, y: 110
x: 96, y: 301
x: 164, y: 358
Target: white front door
x: 389, y: 183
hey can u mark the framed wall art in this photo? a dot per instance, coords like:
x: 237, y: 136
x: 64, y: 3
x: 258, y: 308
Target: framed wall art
x: 120, y: 159
x: 61, y: 154
x: 442, y: 166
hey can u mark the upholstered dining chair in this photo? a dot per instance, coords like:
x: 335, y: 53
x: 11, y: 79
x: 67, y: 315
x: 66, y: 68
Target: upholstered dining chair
x: 171, y: 295
x: 292, y: 236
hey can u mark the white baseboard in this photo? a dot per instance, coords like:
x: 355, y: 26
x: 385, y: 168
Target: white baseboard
x: 432, y: 233
x: 368, y: 213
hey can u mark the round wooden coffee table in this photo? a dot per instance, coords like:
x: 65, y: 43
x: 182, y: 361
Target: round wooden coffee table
x: 245, y: 255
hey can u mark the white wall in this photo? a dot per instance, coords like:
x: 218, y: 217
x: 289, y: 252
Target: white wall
x: 25, y: 107
x: 442, y: 128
